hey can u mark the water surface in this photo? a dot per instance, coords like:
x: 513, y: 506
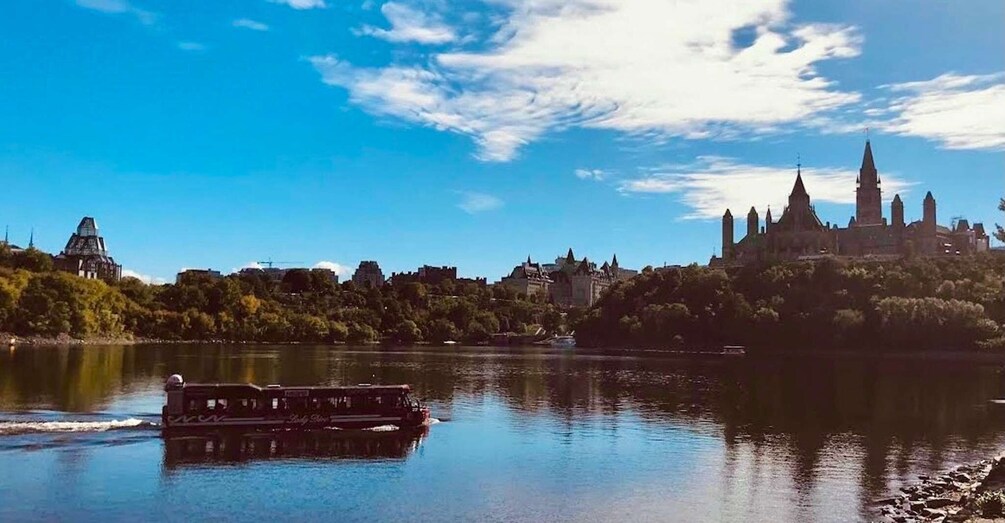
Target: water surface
x: 535, y: 434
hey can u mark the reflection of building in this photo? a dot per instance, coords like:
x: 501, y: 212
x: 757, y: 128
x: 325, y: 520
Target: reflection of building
x: 368, y: 274
x: 189, y: 275
x: 568, y: 282
x: 429, y: 275
x: 85, y: 254
x: 799, y: 233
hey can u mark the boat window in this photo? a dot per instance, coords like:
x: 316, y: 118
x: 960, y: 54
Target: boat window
x: 275, y: 403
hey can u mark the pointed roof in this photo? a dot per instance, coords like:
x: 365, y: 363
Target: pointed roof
x: 929, y: 196
x: 614, y: 262
x: 868, y: 164
x: 753, y: 211
x: 528, y: 259
x: 728, y: 214
x: 799, y: 189
x: 768, y: 214
x: 570, y: 257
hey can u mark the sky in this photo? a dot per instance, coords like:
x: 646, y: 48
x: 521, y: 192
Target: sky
x: 223, y: 134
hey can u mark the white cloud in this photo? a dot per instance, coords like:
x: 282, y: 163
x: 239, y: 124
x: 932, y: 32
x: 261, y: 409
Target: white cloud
x: 475, y: 202
x: 410, y: 25
x: 590, y: 174
x: 154, y: 280
x: 714, y: 184
x: 960, y: 112
x: 668, y: 68
x: 191, y: 46
x: 302, y: 4
x: 247, y: 23
x: 337, y: 268
x: 119, y: 7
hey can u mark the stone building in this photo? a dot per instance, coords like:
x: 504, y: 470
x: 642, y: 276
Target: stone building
x: 568, y: 282
x: 194, y: 275
x: 430, y: 275
x: 800, y: 234
x: 86, y: 256
x: 368, y: 274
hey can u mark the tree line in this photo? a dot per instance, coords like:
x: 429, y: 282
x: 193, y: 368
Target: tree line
x: 305, y: 306
x: 911, y: 303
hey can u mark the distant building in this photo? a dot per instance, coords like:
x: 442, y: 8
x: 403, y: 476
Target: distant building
x: 568, y: 282
x: 800, y: 234
x: 273, y: 274
x: 368, y: 274
x: 188, y: 275
x: 331, y: 275
x: 86, y: 256
x: 430, y: 275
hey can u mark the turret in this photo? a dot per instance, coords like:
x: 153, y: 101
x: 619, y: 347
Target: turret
x: 753, y: 221
x: 767, y: 220
x: 868, y: 195
x: 727, y: 235
x: 614, y: 263
x: 928, y: 221
x: 897, y: 212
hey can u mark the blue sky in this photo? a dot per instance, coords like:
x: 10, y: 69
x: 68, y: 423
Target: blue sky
x: 215, y: 134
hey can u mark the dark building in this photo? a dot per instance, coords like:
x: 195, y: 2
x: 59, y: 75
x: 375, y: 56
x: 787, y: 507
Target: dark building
x: 86, y: 256
x: 195, y: 275
x: 368, y: 274
x: 430, y: 275
x: 800, y: 234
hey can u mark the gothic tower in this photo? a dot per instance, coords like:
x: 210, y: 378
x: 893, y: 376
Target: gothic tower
x: 753, y: 222
x: 868, y: 195
x: 928, y: 221
x: 767, y: 220
x: 727, y: 235
x: 897, y: 212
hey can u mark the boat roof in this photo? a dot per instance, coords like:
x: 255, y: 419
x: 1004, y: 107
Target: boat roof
x: 234, y: 387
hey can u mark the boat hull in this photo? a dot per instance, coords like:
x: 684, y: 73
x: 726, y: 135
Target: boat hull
x: 189, y: 422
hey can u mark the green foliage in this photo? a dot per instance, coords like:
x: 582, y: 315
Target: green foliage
x: 914, y: 303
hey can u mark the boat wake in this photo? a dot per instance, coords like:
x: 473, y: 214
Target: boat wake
x: 15, y: 428
x: 382, y: 428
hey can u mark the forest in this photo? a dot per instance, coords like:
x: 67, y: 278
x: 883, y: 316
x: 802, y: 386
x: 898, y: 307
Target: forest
x: 305, y: 307
x: 908, y: 304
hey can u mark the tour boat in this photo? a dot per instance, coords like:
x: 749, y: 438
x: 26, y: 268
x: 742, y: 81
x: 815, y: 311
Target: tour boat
x: 247, y: 406
x: 563, y: 341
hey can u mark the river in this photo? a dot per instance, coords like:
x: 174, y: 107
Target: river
x: 535, y: 434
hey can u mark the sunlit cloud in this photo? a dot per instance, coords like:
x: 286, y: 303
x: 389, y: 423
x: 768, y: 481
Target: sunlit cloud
x: 475, y: 202
x: 145, y: 278
x: 337, y: 268
x: 410, y: 25
x: 590, y: 174
x: 119, y: 7
x: 302, y: 4
x: 246, y: 23
x: 642, y: 67
x: 713, y: 184
x: 960, y: 112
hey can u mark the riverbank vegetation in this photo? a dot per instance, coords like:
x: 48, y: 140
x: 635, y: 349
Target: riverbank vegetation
x: 304, y: 307
x: 918, y: 303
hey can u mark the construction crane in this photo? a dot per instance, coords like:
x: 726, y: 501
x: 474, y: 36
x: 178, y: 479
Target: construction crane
x: 269, y: 263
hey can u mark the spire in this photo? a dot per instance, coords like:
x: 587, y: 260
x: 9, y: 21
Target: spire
x: 614, y: 262
x: 868, y: 164
x: 929, y: 197
x: 31, y: 239
x: 728, y: 214
x: 798, y: 189
x: 570, y: 258
x: 6, y: 234
x: 528, y: 259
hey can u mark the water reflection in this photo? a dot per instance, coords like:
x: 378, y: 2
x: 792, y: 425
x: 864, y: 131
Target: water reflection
x: 239, y: 447
x: 851, y: 427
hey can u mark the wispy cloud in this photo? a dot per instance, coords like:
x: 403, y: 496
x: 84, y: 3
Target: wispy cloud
x: 119, y: 7
x: 302, y: 4
x: 476, y: 202
x: 590, y: 174
x: 660, y: 68
x: 337, y: 268
x: 247, y: 23
x: 713, y: 184
x: 410, y: 25
x: 145, y: 278
x: 960, y: 112
x: 191, y: 46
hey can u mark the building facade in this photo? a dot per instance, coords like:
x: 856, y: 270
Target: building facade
x: 431, y: 275
x: 86, y: 256
x: 568, y: 282
x: 368, y: 274
x: 800, y: 234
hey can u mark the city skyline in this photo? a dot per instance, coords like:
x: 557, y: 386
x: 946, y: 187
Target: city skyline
x: 411, y: 133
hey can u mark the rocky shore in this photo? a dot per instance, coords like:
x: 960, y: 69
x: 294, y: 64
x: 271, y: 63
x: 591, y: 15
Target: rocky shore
x: 968, y: 493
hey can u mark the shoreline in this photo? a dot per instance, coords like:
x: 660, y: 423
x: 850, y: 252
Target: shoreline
x: 967, y: 493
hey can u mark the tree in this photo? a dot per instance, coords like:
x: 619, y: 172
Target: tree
x: 442, y: 330
x: 32, y: 259
x: 406, y: 333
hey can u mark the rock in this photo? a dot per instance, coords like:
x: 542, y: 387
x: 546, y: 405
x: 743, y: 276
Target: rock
x: 961, y: 477
x: 918, y: 506
x: 938, y: 502
x: 923, y: 477
x: 933, y: 513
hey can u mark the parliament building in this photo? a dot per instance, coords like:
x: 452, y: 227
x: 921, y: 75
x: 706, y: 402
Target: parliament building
x: 800, y: 235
